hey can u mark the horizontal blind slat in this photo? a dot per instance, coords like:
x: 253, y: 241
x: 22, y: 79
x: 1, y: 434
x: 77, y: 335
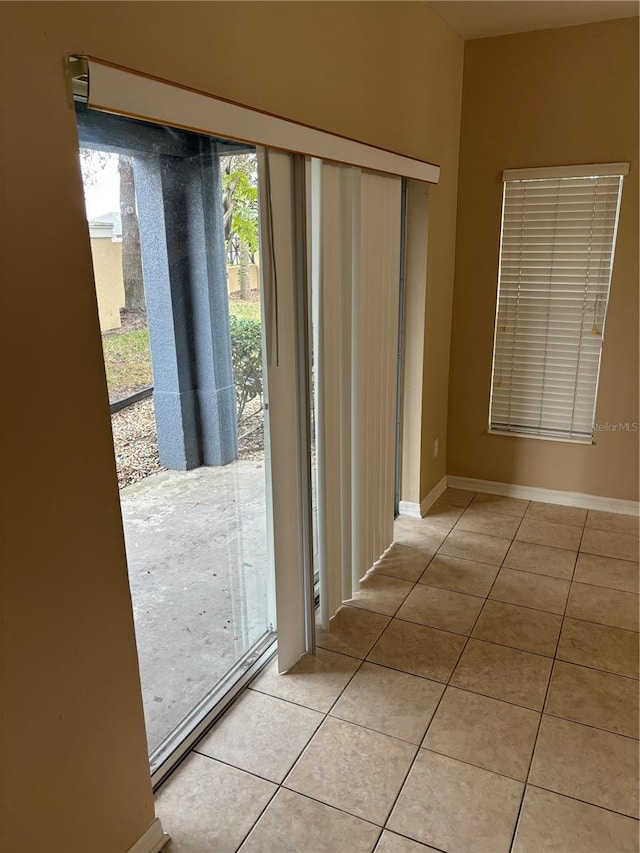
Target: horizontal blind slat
x: 556, y: 251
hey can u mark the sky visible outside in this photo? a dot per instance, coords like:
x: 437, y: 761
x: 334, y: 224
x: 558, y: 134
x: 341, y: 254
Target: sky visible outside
x: 104, y: 195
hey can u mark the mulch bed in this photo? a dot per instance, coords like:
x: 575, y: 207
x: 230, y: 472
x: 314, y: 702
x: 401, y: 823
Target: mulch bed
x: 136, y: 442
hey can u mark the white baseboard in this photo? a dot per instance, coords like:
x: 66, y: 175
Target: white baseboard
x: 414, y: 510
x: 152, y: 840
x: 432, y: 497
x: 551, y: 496
x: 410, y: 509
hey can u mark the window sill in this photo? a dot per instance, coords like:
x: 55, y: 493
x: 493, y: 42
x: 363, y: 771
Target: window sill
x: 514, y: 434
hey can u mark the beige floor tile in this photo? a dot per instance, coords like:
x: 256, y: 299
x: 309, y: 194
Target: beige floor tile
x: 475, y: 546
x: 394, y: 703
x: 390, y: 842
x: 586, y: 763
x: 529, y: 590
x: 541, y: 559
x: 503, y: 673
x: 485, y: 732
x: 398, y: 561
x: 418, y: 533
x: 456, y: 497
x: 614, y: 522
x: 519, y: 627
x: 353, y: 631
x: 606, y: 543
x: 380, y: 593
x: 294, y: 824
x: 549, y: 533
x: 509, y: 506
x: 594, y: 698
x: 261, y: 734
x: 550, y: 823
x: 207, y: 805
x: 438, y: 520
x: 606, y: 606
x: 441, y: 608
x: 316, y: 681
x: 477, y: 519
x: 457, y: 807
x: 560, y: 514
x: 418, y: 650
x: 352, y: 768
x: 459, y: 575
x: 599, y: 646
x: 444, y: 514
x: 608, y: 572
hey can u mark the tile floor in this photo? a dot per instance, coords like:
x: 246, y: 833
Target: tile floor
x: 478, y: 695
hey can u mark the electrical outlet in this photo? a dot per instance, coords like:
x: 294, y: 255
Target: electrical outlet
x: 435, y: 448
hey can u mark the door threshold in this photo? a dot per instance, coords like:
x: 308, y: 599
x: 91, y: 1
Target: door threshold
x: 166, y: 757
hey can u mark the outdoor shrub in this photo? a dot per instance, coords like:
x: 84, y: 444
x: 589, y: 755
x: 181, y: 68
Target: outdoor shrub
x: 246, y: 355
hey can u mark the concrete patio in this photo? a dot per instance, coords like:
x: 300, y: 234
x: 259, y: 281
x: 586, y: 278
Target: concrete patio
x: 200, y: 584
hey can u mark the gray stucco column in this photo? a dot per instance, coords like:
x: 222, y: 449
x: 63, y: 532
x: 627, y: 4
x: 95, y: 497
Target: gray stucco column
x: 183, y: 258
x: 213, y: 369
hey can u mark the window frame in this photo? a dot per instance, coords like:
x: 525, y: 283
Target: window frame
x: 553, y: 173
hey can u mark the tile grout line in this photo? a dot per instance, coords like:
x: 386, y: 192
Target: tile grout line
x: 280, y: 785
x: 498, y: 601
x: 544, y: 701
x: 326, y: 715
x: 447, y: 685
x: 336, y: 700
x: 435, y: 711
x: 553, y: 659
x: 589, y: 726
x: 524, y: 784
x: 414, y: 584
x: 585, y: 802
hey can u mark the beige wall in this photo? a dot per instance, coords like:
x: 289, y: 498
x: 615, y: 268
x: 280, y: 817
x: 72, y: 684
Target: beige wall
x: 545, y: 98
x: 107, y: 273
x: 386, y: 73
x: 233, y: 277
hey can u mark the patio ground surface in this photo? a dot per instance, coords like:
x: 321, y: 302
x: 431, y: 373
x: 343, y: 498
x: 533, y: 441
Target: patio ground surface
x: 197, y: 556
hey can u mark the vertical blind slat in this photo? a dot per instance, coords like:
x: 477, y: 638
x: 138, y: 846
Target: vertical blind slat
x: 357, y: 305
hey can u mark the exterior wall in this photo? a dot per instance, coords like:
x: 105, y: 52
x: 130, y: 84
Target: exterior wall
x: 554, y: 97
x: 74, y: 750
x: 233, y: 280
x: 107, y: 271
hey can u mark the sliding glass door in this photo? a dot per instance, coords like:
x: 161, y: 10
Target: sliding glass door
x: 245, y: 294
x: 202, y: 350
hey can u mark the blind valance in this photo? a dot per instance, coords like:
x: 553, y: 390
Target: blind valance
x: 131, y: 93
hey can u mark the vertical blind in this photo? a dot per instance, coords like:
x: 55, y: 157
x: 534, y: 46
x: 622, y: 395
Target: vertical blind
x: 355, y: 263
x: 556, y: 257
x: 281, y: 186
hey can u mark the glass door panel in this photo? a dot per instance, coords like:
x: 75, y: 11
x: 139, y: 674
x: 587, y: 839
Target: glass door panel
x: 173, y: 224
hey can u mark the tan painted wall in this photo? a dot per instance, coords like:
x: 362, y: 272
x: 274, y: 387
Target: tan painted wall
x: 233, y: 277
x: 545, y: 98
x: 388, y: 73
x: 107, y: 271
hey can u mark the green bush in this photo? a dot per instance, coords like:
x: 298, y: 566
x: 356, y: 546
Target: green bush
x: 246, y: 355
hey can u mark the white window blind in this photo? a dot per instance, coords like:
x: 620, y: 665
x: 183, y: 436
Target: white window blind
x: 355, y: 253
x: 556, y: 257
